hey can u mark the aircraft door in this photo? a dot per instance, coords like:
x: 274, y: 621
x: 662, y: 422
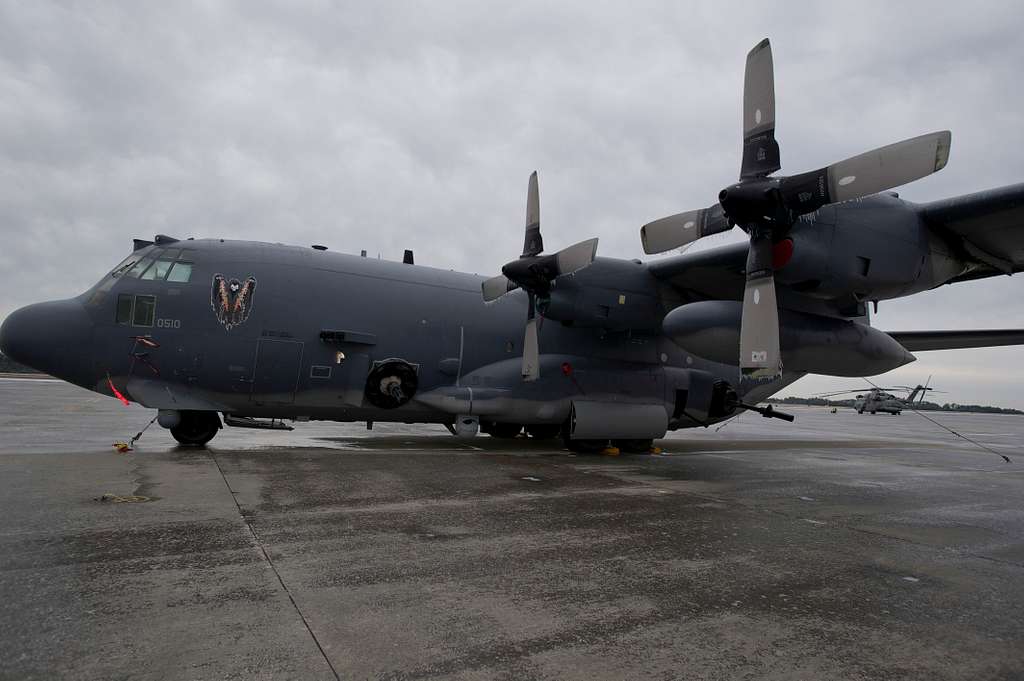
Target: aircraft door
x: 276, y: 374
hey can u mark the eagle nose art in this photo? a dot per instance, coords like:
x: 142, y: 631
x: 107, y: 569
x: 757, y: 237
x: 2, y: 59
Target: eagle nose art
x: 53, y: 337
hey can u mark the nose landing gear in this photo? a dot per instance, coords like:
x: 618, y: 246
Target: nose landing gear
x: 196, y: 428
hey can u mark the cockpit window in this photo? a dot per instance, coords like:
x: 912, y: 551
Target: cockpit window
x: 158, y: 264
x: 181, y: 272
x: 140, y: 267
x: 158, y: 270
x: 124, y: 265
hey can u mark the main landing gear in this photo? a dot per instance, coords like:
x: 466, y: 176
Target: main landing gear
x: 196, y: 428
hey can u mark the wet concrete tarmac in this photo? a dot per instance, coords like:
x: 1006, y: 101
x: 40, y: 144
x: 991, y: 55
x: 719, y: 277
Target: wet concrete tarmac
x: 843, y: 546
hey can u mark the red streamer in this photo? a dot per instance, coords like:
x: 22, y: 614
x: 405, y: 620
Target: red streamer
x: 117, y: 393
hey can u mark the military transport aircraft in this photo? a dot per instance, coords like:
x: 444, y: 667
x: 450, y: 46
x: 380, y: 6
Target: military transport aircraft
x: 613, y: 349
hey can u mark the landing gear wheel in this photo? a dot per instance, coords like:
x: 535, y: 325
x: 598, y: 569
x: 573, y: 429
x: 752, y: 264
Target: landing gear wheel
x: 634, y: 446
x: 872, y: 413
x: 585, y: 446
x: 196, y: 428
x: 543, y: 431
x: 505, y: 431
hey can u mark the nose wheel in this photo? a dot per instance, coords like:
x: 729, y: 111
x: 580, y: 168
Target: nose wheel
x: 196, y: 428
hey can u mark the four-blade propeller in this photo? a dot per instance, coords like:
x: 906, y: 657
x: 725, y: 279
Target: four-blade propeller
x: 535, y: 274
x: 766, y: 207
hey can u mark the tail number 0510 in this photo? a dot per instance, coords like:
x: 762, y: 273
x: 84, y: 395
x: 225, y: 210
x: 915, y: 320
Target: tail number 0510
x: 168, y: 323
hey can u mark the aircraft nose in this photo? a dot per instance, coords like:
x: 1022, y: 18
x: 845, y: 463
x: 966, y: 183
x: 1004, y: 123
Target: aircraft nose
x: 53, y: 337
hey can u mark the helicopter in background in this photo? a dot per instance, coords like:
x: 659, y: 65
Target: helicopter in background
x: 882, y: 400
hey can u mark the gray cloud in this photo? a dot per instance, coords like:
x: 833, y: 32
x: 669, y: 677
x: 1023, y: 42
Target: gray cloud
x: 414, y: 125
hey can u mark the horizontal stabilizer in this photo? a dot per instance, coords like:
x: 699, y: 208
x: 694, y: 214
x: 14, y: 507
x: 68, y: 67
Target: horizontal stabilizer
x: 916, y: 341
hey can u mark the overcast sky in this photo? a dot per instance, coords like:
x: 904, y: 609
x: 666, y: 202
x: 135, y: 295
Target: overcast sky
x: 384, y: 126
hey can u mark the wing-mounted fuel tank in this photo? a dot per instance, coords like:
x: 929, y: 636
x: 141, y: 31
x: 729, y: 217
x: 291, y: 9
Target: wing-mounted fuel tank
x: 610, y: 294
x: 874, y: 248
x: 809, y: 342
x: 592, y: 419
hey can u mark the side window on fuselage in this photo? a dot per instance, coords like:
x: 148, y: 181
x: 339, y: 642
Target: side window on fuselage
x: 124, y: 308
x: 145, y: 311
x: 135, y: 310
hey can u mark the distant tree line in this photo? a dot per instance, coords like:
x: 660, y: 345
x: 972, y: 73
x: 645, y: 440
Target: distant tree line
x: 918, y: 406
x: 9, y: 366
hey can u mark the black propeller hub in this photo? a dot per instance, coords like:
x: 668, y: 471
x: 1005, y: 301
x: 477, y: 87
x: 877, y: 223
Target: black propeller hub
x: 756, y: 201
x: 532, y: 273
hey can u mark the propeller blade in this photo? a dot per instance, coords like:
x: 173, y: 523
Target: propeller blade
x: 531, y: 348
x: 575, y: 257
x: 760, y: 150
x: 869, y: 173
x: 683, y: 228
x: 496, y: 287
x: 759, y: 326
x: 533, y: 244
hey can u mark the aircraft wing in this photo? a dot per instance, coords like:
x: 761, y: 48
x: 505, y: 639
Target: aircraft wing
x: 916, y: 341
x: 716, y: 273
x: 988, y: 226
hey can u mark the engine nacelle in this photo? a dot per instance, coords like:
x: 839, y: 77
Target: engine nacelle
x: 810, y: 343
x: 873, y: 249
x: 602, y: 308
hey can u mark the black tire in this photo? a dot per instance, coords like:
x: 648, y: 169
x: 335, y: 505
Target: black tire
x: 634, y: 446
x: 872, y: 413
x: 544, y: 431
x: 196, y: 428
x: 585, y: 446
x: 505, y: 431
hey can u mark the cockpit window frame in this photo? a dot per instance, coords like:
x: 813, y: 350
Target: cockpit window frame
x: 140, y: 268
x: 154, y: 272
x: 126, y: 264
x: 151, y: 261
x: 148, y: 308
x: 180, y: 265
